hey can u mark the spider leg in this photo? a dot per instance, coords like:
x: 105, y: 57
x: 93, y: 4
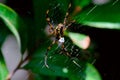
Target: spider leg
x: 67, y: 14
x: 46, y: 54
x: 67, y: 17
x: 65, y: 50
x: 71, y: 22
x: 49, y: 23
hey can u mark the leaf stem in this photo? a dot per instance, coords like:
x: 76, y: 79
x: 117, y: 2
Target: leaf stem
x: 18, y: 67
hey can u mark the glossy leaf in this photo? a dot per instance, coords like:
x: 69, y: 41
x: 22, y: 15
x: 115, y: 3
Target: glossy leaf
x: 92, y: 73
x: 81, y: 40
x: 101, y: 16
x: 108, y: 25
x: 10, y: 19
x: 14, y: 24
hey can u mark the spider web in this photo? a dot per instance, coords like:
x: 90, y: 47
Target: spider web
x: 55, y: 55
x: 56, y: 14
x: 57, y: 11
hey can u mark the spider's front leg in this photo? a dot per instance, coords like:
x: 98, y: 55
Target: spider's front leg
x: 66, y: 15
x: 46, y: 54
x: 67, y: 20
x: 51, y: 29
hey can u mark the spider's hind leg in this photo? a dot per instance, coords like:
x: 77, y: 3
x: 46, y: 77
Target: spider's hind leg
x: 65, y: 50
x: 46, y: 54
x: 69, y: 55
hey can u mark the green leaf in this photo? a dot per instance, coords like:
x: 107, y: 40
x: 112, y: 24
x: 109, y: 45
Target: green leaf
x: 101, y: 16
x: 3, y: 33
x: 14, y: 24
x: 108, y: 25
x: 10, y: 19
x: 3, y: 68
x: 92, y: 73
x: 60, y: 65
x: 81, y: 40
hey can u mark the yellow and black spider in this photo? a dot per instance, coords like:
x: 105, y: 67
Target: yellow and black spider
x: 58, y: 32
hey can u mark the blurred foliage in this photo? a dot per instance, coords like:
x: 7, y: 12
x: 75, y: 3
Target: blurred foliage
x: 14, y: 24
x: 3, y: 68
x: 30, y: 34
x: 101, y: 16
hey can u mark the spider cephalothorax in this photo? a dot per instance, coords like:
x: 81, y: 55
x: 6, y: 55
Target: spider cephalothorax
x: 58, y: 33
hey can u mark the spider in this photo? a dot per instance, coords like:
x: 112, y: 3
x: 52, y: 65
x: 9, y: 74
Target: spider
x: 58, y: 32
